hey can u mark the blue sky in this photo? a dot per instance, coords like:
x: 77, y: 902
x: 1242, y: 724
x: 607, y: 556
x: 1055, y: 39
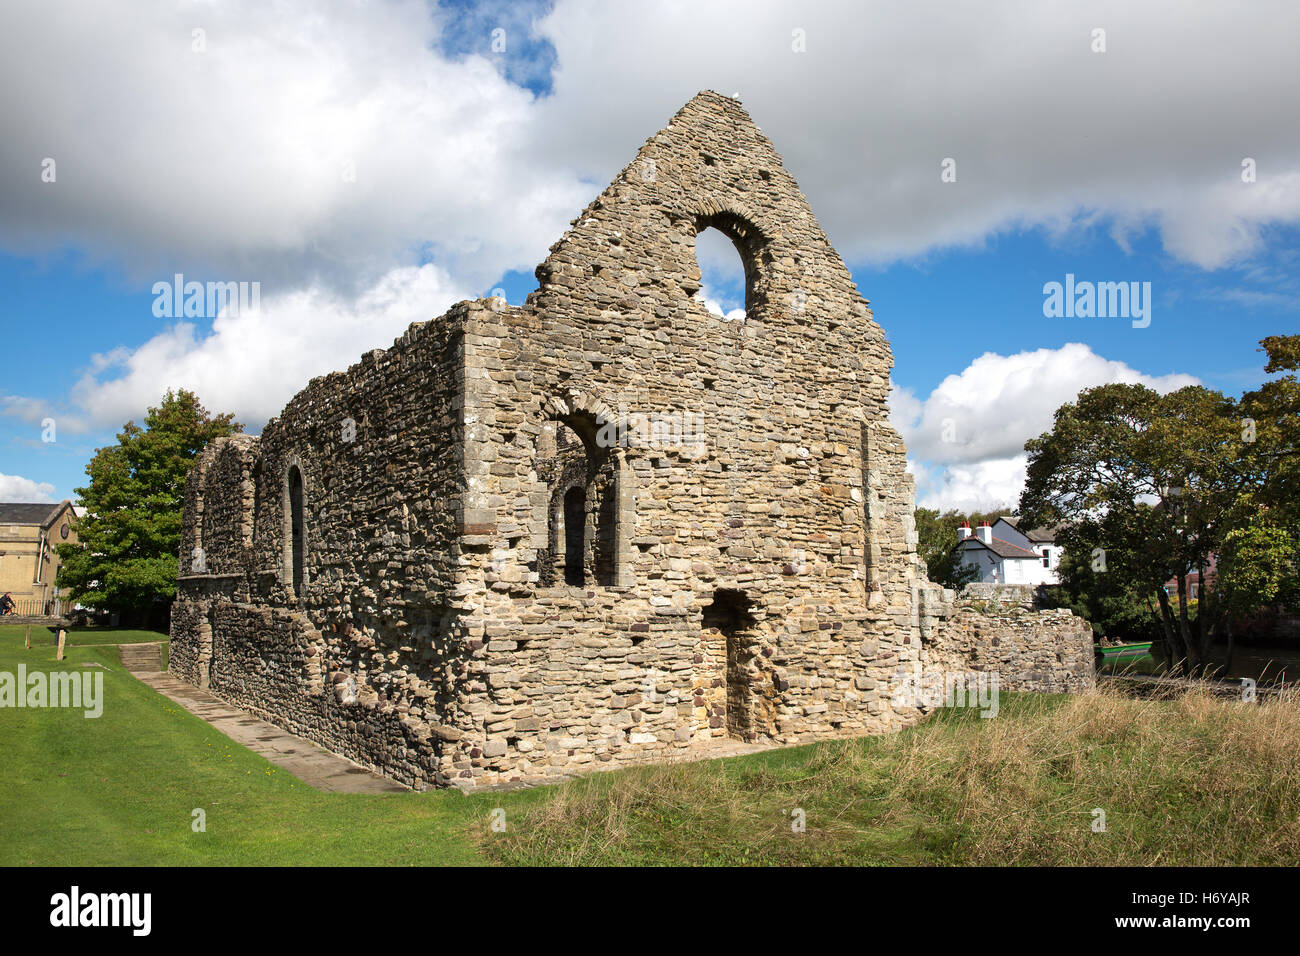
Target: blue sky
x: 473, y: 132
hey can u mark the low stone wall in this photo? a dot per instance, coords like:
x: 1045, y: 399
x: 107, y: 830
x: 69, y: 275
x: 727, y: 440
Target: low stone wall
x: 274, y: 664
x: 998, y: 630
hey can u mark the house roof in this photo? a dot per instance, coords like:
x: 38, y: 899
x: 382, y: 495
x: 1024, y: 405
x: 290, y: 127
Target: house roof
x: 22, y: 512
x: 1036, y: 535
x: 1004, y: 549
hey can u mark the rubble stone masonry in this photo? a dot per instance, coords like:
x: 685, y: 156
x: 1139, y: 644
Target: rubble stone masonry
x: 604, y: 527
x: 998, y: 630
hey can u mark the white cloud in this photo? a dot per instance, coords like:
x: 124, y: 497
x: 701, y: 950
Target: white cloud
x: 1043, y: 131
x: 18, y: 488
x: 234, y: 160
x: 29, y: 410
x: 967, y: 437
x: 228, y: 164
x: 231, y: 159
x: 251, y: 364
x: 981, y: 486
x: 715, y: 306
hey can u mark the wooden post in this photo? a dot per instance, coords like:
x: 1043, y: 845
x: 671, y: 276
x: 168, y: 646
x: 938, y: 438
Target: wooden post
x: 62, y: 634
x: 27, y: 639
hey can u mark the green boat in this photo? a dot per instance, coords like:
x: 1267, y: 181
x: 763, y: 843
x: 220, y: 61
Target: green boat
x: 1121, y: 652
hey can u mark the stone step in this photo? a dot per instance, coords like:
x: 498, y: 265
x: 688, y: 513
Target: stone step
x: 141, y: 657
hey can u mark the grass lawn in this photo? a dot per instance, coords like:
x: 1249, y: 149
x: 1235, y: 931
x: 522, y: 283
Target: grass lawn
x: 85, y: 636
x: 120, y: 789
x: 1189, y: 781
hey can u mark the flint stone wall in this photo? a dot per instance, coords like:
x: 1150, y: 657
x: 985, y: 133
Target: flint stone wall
x: 1000, y: 630
x: 751, y: 577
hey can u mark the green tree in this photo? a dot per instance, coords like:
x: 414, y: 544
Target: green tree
x: 1113, y: 571
x: 1271, y: 426
x: 1153, y: 486
x: 1256, y: 567
x: 129, y: 538
x: 1139, y: 477
x: 1115, y: 605
x: 936, y: 545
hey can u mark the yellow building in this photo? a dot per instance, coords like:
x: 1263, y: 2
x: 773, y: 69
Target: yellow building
x: 29, y: 562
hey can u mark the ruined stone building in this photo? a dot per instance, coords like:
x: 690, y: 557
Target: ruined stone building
x: 603, y: 527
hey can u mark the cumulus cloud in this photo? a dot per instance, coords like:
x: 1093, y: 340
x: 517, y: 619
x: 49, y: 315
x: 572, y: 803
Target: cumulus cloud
x: 18, y: 488
x: 1150, y: 133
x: 328, y: 152
x: 234, y: 158
x: 251, y: 363
x: 282, y: 143
x: 967, y: 437
x: 716, y: 306
x: 980, y: 486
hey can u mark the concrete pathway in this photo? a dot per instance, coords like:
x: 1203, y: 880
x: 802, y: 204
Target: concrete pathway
x: 319, y: 769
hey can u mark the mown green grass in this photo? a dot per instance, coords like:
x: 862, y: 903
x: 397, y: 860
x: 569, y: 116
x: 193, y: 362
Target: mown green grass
x: 120, y: 789
x: 85, y: 636
x: 1187, y: 781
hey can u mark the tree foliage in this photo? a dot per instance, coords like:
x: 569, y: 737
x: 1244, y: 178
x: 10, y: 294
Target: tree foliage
x: 129, y: 537
x: 1153, y: 487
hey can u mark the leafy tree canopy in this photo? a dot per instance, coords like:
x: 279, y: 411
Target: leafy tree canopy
x: 1153, y: 487
x: 126, y: 557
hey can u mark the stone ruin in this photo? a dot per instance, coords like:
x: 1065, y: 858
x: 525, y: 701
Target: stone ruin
x: 604, y: 527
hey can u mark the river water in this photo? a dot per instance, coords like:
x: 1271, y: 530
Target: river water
x: 1263, y: 664
x: 1266, y: 664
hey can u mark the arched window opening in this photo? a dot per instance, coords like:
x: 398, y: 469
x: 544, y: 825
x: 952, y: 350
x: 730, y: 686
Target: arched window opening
x: 581, y: 480
x: 723, y: 287
x: 297, y: 529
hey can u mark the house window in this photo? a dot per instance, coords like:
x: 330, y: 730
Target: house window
x: 1047, y: 556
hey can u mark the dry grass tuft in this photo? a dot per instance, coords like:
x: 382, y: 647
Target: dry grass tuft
x: 1190, y: 780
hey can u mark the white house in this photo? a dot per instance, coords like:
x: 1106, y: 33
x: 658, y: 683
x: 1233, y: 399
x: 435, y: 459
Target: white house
x: 1003, y: 554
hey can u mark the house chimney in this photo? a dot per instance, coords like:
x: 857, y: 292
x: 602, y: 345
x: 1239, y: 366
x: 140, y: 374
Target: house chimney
x: 963, y: 532
x: 984, y: 532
